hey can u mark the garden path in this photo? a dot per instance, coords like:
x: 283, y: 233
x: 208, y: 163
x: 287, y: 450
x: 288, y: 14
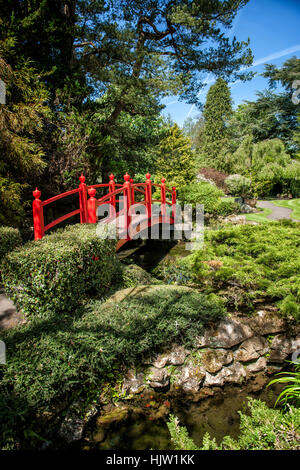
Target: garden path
x: 278, y: 213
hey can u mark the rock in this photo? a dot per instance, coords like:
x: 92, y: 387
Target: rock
x: 265, y: 323
x: 257, y: 366
x: 190, y: 378
x: 250, y: 202
x: 116, y: 415
x: 133, y: 382
x: 251, y: 349
x: 235, y: 220
x: 232, y: 374
x: 246, y: 209
x: 175, y: 357
x: 228, y: 333
x: 282, y: 347
x: 158, y: 378
x: 73, y: 424
x: 214, y: 359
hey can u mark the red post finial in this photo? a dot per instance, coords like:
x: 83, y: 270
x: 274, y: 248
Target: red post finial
x: 148, y: 176
x: 82, y: 178
x: 111, y: 177
x: 36, y: 193
x: 126, y: 176
x: 92, y: 192
x: 163, y: 180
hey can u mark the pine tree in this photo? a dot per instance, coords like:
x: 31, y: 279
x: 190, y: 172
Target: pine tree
x: 176, y: 162
x: 217, y: 111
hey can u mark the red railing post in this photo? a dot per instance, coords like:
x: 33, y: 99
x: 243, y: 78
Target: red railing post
x: 163, y: 199
x: 38, y: 215
x: 91, y: 206
x: 111, y: 188
x: 127, y: 202
x: 132, y: 191
x: 83, y: 200
x: 174, y: 203
x: 148, y: 194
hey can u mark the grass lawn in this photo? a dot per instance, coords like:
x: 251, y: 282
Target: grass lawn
x: 260, y: 217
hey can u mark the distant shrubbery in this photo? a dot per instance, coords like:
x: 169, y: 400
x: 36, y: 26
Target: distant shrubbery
x: 264, y: 429
x: 57, y: 271
x: 10, y: 238
x: 210, y: 196
x: 246, y: 263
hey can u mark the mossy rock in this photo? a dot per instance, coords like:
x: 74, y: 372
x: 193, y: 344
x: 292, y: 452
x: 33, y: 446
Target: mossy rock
x: 148, y: 290
x: 133, y: 275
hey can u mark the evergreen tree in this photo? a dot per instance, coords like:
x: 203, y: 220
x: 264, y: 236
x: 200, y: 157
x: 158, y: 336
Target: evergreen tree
x: 217, y: 111
x: 176, y: 161
x: 21, y: 123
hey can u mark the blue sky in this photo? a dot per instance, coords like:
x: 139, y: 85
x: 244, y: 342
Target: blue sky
x: 273, y: 27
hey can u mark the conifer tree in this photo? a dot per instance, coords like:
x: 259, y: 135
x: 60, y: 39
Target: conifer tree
x: 176, y: 162
x: 217, y: 111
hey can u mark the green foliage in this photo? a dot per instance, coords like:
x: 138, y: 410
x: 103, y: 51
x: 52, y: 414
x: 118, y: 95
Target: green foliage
x: 264, y: 429
x: 217, y: 111
x: 21, y: 124
x: 10, y: 239
x: 291, y: 392
x: 239, y: 185
x: 57, y: 271
x: 201, y: 193
x: 133, y: 275
x: 252, y: 262
x: 176, y: 159
x: 53, y: 357
x: 267, y: 166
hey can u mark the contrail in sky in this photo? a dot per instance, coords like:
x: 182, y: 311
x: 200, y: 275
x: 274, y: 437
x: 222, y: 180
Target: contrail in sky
x: 264, y: 60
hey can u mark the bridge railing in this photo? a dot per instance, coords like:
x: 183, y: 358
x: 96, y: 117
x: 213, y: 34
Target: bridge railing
x: 88, y: 206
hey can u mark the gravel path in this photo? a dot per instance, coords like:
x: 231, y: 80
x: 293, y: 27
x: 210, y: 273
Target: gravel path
x: 278, y: 213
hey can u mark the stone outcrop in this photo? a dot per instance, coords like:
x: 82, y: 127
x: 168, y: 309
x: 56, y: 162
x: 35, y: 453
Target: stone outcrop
x: 229, y: 352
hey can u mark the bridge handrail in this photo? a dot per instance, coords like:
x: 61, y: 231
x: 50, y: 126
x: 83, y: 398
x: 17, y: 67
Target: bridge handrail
x: 87, y: 207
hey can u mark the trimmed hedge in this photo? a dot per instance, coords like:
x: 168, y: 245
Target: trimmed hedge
x: 10, y: 238
x: 54, y: 273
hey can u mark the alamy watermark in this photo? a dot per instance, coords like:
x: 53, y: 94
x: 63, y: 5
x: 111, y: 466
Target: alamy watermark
x: 2, y: 352
x: 160, y: 222
x: 2, y: 92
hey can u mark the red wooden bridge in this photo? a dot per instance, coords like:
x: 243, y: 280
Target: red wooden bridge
x: 120, y: 199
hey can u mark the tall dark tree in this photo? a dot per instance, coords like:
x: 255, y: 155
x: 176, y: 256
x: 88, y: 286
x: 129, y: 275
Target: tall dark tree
x: 217, y: 112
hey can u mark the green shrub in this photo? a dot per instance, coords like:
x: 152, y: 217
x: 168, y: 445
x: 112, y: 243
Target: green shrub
x: 265, y: 429
x: 225, y: 208
x: 54, y: 358
x: 201, y: 193
x: 291, y: 392
x: 10, y: 238
x: 252, y: 262
x: 55, y: 272
x: 133, y: 275
x: 239, y: 185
